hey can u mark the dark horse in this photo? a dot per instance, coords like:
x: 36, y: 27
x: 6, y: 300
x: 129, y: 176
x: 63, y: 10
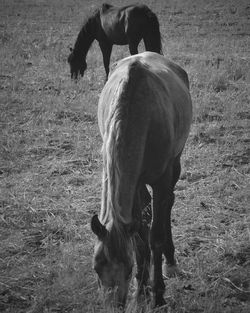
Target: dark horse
x: 110, y: 26
x: 144, y: 115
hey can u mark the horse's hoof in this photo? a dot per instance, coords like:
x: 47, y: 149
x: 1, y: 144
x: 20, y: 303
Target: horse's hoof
x: 142, y: 295
x: 171, y: 271
x: 159, y: 302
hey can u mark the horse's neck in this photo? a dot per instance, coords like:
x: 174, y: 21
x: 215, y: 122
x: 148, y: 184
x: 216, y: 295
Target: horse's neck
x: 85, y: 38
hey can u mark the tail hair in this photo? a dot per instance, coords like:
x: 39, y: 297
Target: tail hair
x: 153, y: 38
x: 136, y: 71
x: 118, y: 126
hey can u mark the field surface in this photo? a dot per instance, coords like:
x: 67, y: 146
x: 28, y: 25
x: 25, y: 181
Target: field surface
x: 50, y: 162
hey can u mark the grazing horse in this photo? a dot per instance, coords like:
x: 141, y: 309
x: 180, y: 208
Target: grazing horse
x: 110, y: 26
x: 144, y: 116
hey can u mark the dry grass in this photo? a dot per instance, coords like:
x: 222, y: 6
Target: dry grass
x: 51, y: 166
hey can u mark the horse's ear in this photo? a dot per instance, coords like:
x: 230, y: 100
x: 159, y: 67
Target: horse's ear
x: 97, y: 227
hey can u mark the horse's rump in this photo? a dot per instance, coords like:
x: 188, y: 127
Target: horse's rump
x: 144, y: 116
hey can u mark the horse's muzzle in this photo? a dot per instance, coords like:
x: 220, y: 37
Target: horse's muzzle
x: 114, y: 299
x: 74, y: 76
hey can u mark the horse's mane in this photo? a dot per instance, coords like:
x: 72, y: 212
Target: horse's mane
x: 87, y: 32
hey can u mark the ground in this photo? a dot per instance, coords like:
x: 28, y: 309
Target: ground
x: 50, y: 169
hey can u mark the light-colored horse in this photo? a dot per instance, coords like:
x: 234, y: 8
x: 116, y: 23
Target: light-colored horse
x: 144, y: 115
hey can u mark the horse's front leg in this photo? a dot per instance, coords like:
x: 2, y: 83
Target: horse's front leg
x: 156, y: 248
x: 106, y: 49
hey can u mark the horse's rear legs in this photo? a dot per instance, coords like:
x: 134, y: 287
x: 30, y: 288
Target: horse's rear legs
x: 170, y: 268
x: 133, y: 42
x: 161, y: 234
x: 157, y: 245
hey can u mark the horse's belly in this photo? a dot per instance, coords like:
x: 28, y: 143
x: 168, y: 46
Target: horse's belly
x: 116, y: 37
x: 119, y: 40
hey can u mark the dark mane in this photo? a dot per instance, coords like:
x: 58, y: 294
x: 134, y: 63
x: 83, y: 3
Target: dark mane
x: 86, y: 34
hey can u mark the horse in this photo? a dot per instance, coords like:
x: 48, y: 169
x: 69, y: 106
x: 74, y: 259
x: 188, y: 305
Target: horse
x: 110, y: 26
x: 144, y: 117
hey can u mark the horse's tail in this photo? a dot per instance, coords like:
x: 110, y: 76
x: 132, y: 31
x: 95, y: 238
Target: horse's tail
x: 152, y: 36
x: 126, y: 143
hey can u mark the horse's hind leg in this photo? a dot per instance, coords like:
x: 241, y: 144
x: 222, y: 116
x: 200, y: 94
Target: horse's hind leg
x: 162, y: 204
x: 147, y: 44
x: 133, y: 42
x: 170, y: 267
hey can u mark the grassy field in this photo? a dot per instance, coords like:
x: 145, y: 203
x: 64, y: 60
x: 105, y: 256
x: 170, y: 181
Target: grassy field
x: 50, y: 163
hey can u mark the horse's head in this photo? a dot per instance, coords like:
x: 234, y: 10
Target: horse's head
x: 77, y: 64
x: 112, y: 265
